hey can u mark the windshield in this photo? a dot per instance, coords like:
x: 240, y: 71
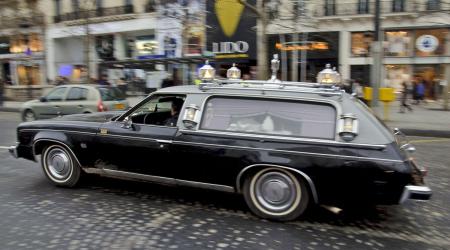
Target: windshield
x: 111, y: 94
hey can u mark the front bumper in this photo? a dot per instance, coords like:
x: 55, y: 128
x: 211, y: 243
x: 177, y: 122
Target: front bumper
x: 411, y: 192
x: 13, y: 151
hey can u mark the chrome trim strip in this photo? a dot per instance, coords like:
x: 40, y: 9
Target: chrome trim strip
x: 57, y: 130
x: 263, y: 137
x: 411, y: 189
x: 158, y: 179
x: 164, y: 141
x: 286, y: 151
x: 59, y: 142
x: 307, y: 178
x: 128, y: 137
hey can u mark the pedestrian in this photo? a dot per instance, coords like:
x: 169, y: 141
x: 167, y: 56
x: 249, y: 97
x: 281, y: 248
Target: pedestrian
x: 404, y: 99
x: 122, y: 85
x: 104, y: 81
x: 167, y: 82
x: 419, y: 91
x: 358, y: 90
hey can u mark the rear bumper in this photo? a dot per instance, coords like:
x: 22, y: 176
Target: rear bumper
x: 13, y: 151
x: 411, y: 192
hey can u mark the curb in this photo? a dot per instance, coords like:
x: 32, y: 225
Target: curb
x: 425, y: 133
x: 9, y: 109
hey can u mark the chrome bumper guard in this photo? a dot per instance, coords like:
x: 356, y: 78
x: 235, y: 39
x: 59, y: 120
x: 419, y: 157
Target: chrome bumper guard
x: 13, y: 151
x: 422, y: 193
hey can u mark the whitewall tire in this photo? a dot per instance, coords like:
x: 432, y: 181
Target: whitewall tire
x: 60, y: 166
x: 276, y: 194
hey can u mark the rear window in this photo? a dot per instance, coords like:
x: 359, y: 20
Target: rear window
x: 272, y: 117
x: 111, y: 94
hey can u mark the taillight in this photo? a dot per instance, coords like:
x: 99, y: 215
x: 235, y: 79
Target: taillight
x: 424, y: 171
x: 101, y: 107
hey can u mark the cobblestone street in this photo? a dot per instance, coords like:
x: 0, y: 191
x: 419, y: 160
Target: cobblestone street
x: 104, y: 213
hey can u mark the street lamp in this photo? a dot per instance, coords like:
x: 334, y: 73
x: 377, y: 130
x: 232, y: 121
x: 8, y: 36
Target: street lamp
x: 328, y: 76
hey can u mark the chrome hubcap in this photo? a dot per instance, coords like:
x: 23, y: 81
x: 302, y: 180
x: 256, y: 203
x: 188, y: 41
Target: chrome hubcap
x: 275, y: 191
x: 58, y: 163
x: 29, y: 116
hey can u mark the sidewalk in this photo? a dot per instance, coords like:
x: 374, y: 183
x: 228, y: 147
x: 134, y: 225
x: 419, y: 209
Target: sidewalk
x: 425, y: 119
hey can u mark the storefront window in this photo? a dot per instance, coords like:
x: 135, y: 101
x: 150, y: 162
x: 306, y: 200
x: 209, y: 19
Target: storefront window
x: 26, y: 43
x: 431, y: 42
x: 28, y: 74
x: 361, y: 43
x: 398, y: 43
x: 396, y: 75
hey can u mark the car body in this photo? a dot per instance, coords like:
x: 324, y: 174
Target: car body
x: 74, y: 99
x: 284, y: 146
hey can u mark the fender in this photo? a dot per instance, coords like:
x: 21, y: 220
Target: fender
x: 56, y: 137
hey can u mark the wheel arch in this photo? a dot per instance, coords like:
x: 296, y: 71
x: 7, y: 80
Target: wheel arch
x: 256, y: 167
x: 40, y: 144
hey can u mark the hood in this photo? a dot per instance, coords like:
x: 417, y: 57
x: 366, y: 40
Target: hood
x: 94, y: 117
x: 29, y: 103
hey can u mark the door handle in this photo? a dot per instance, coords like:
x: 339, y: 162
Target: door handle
x: 56, y: 106
x: 80, y: 106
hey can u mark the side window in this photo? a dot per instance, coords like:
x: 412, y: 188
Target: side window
x: 56, y: 94
x: 162, y: 110
x: 273, y: 117
x: 77, y: 94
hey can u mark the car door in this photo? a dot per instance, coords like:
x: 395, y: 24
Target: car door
x: 75, y: 102
x: 137, y: 142
x: 50, y: 105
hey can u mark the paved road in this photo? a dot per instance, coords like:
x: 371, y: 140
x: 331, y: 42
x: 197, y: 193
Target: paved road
x: 111, y: 214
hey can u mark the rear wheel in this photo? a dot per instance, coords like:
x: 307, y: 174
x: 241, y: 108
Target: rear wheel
x: 276, y: 194
x: 28, y: 116
x: 60, y: 166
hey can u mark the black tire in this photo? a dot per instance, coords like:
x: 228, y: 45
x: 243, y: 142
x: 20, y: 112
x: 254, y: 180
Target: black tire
x: 60, y: 166
x: 28, y: 115
x: 276, y: 194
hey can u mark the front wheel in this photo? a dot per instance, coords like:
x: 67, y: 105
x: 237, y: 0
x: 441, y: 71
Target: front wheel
x: 28, y: 116
x: 276, y: 194
x: 60, y: 166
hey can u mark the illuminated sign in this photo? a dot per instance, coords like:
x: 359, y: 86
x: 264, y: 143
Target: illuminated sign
x: 308, y: 46
x: 233, y: 35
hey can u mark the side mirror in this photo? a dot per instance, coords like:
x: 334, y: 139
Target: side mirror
x: 43, y: 99
x: 127, y: 123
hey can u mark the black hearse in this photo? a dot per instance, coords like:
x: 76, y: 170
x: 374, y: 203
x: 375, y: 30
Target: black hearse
x: 283, y: 145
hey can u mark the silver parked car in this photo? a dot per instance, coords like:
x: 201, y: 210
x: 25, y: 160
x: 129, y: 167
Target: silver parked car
x: 74, y: 99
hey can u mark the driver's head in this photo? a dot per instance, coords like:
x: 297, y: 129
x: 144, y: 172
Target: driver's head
x: 176, y: 106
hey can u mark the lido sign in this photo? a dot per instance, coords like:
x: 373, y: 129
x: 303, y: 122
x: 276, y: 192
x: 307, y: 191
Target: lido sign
x: 233, y: 35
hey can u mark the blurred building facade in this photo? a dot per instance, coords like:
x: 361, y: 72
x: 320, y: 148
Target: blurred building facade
x: 22, y: 32
x: 415, y: 33
x: 119, y: 39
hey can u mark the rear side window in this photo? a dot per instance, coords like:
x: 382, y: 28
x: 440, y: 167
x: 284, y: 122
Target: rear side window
x: 111, y: 94
x: 272, y: 117
x: 77, y: 94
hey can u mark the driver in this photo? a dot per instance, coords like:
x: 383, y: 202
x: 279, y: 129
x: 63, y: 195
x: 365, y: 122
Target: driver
x: 174, y: 112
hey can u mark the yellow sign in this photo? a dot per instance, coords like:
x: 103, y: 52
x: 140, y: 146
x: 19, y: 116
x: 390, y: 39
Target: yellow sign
x: 229, y: 15
x: 231, y: 56
x: 309, y: 46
